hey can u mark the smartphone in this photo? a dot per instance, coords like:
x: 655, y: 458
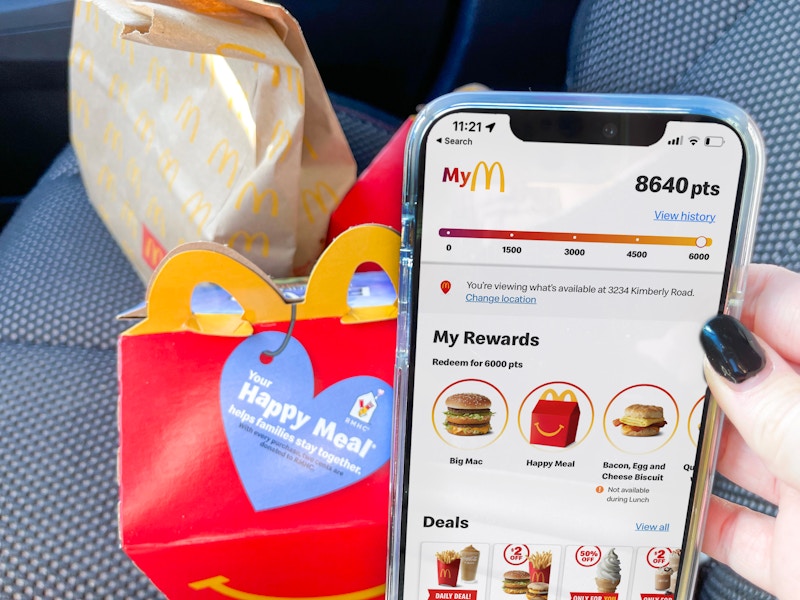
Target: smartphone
x: 554, y: 436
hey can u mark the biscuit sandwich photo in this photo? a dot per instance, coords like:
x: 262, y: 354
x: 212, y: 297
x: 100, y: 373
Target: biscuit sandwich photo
x: 641, y: 420
x: 468, y: 414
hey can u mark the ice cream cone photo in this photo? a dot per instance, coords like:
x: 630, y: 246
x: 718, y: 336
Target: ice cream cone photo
x: 608, y: 572
x: 606, y: 585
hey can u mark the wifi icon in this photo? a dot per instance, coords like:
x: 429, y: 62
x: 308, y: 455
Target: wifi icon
x: 694, y: 140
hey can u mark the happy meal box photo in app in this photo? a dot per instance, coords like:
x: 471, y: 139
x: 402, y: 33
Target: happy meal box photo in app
x: 554, y: 420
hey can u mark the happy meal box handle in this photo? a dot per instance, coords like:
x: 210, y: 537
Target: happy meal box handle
x: 565, y: 396
x: 169, y: 292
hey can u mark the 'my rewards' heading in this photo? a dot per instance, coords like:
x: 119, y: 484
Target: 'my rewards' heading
x: 484, y: 339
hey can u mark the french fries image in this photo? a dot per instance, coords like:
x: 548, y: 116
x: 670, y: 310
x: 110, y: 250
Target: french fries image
x: 539, y: 564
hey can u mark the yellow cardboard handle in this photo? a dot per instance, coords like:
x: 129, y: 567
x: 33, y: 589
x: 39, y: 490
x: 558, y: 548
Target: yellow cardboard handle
x: 170, y: 290
x: 565, y: 396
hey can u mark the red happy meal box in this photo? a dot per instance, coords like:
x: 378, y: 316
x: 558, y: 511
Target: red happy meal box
x: 554, y: 420
x: 254, y: 447
x: 376, y: 196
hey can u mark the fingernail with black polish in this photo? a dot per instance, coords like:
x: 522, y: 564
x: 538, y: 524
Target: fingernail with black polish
x: 731, y: 349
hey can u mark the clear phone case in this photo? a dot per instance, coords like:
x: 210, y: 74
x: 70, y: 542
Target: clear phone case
x: 754, y: 158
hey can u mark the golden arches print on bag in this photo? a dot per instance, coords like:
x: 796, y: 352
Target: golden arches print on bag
x: 189, y: 112
x: 158, y: 76
x: 145, y: 78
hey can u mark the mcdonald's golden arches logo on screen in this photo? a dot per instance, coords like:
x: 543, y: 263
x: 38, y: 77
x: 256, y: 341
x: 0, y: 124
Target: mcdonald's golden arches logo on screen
x: 249, y: 241
x: 488, y: 171
x: 483, y: 172
x: 566, y: 395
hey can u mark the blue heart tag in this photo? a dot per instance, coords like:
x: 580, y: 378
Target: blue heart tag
x: 288, y: 445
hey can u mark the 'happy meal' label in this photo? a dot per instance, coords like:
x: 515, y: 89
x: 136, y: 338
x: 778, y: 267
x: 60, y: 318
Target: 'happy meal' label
x: 289, y: 445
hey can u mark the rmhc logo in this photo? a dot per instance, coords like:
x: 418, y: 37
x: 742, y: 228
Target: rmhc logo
x: 462, y: 178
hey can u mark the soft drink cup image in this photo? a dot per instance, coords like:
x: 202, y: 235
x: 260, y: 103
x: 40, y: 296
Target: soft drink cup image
x: 469, y: 564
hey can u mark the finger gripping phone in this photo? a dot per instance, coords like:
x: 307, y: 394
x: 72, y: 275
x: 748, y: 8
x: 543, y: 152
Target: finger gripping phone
x: 554, y: 435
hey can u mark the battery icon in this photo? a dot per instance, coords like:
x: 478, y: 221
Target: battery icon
x: 714, y: 141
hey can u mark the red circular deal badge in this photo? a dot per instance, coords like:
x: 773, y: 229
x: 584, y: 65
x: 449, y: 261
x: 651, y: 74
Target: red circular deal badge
x: 658, y: 557
x: 516, y: 554
x: 587, y: 556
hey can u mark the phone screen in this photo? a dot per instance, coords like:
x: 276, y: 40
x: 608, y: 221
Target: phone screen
x: 563, y: 267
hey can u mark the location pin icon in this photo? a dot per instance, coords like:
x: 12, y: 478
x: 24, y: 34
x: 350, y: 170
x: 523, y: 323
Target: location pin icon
x: 445, y: 285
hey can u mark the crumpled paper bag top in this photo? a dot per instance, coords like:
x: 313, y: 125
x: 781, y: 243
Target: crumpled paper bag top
x: 205, y: 120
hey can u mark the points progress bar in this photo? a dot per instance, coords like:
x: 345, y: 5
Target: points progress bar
x: 556, y: 236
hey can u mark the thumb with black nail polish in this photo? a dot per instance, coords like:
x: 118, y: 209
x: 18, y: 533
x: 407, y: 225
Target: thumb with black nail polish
x: 731, y: 350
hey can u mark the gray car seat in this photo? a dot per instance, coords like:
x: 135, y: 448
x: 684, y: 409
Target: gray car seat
x: 745, y: 51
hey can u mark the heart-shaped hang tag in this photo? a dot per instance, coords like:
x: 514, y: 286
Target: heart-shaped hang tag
x: 289, y: 445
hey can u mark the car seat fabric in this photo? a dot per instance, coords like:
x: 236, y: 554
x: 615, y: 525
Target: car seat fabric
x: 62, y: 276
x: 62, y: 280
x: 745, y: 51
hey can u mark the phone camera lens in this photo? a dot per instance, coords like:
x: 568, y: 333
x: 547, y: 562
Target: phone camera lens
x: 610, y: 130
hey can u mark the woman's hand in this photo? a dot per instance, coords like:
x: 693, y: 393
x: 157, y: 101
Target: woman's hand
x: 755, y: 380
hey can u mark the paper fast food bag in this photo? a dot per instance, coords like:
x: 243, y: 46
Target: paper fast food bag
x: 254, y: 446
x: 205, y: 120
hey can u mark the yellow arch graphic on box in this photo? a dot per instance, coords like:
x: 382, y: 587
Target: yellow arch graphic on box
x: 566, y: 396
x: 220, y: 585
x: 545, y: 434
